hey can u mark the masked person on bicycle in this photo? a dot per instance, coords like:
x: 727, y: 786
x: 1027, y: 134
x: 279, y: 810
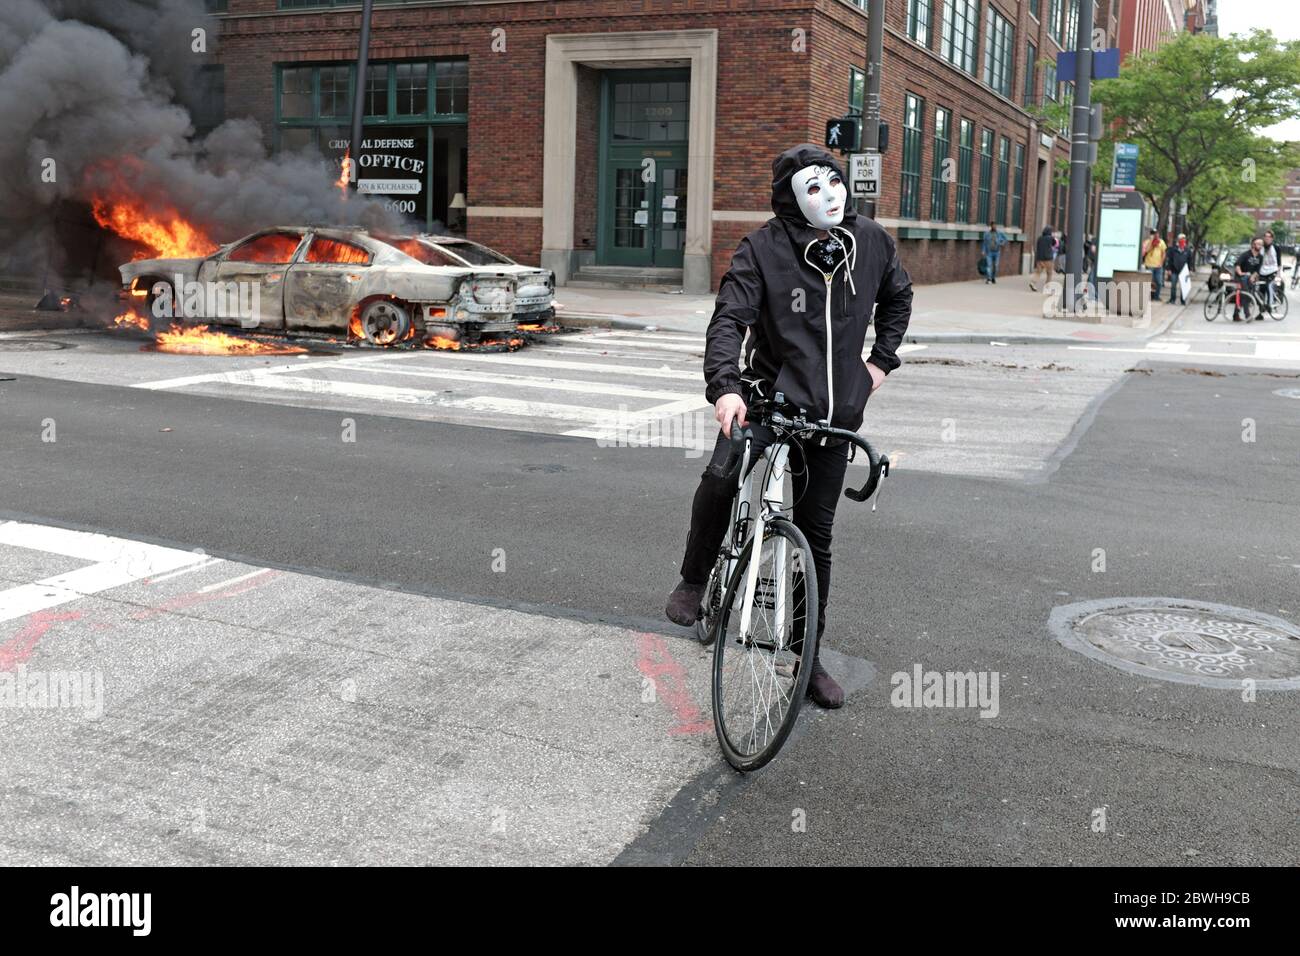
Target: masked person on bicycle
x: 802, y: 287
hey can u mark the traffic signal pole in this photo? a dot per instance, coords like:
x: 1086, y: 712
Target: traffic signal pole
x: 1080, y: 154
x: 871, y: 94
x: 359, y: 94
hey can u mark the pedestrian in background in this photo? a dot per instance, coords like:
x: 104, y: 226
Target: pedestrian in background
x: 1044, y: 253
x: 1153, y: 257
x: 1178, y: 258
x: 1090, y: 264
x: 991, y: 249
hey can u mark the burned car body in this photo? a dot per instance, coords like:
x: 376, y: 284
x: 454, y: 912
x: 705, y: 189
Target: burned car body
x: 327, y: 280
x: 535, y: 291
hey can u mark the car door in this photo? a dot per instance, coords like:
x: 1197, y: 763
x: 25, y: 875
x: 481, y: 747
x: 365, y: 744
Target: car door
x: 257, y: 267
x: 319, y: 290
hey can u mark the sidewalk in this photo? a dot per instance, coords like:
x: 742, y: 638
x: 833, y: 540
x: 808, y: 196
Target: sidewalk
x: 1008, y: 312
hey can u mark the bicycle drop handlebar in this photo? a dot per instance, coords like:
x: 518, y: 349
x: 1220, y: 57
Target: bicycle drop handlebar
x: 798, y: 426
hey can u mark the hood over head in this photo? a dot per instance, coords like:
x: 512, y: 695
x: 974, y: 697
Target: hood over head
x: 785, y: 166
x: 1047, y: 230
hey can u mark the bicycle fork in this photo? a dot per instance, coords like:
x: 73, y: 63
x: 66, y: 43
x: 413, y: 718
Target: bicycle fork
x: 773, y: 501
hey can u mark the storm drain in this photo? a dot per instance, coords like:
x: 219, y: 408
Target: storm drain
x: 29, y: 345
x: 1189, y: 642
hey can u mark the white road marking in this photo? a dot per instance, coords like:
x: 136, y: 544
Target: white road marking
x: 516, y: 359
x: 1287, y: 351
x: 120, y: 562
x: 175, y: 574
x: 242, y: 376
x: 207, y: 588
x: 530, y: 381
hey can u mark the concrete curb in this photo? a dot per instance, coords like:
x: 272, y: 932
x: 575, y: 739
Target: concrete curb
x: 599, y: 320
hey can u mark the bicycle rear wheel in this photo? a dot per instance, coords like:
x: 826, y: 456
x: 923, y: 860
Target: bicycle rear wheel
x: 758, y: 685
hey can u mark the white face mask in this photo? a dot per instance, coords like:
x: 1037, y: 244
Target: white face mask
x: 821, y: 196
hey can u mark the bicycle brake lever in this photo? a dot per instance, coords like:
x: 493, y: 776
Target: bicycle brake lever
x: 880, y: 482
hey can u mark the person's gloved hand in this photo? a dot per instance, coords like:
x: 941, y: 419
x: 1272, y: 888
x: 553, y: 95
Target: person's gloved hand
x: 728, y: 407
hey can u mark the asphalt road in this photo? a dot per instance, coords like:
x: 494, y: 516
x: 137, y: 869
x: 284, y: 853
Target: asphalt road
x: 1048, y: 456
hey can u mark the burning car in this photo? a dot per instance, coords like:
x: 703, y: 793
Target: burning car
x: 383, y: 289
x: 535, y: 293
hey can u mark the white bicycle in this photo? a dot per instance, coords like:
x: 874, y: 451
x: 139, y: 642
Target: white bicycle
x: 760, y: 604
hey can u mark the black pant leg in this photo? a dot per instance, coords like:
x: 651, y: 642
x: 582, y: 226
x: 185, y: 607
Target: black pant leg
x: 711, y: 507
x: 817, y: 493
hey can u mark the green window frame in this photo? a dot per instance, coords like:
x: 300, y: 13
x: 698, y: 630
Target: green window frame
x: 920, y: 14
x: 857, y: 90
x: 909, y: 199
x: 999, y: 52
x: 1049, y: 82
x: 1004, y: 173
x: 986, y: 174
x: 942, y: 147
x: 965, y: 161
x: 960, y: 37
x: 314, y: 96
x: 1031, y: 72
x: 1033, y: 9
x: 1018, y: 188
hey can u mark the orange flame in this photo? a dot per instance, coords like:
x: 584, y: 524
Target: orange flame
x: 165, y: 235
x: 205, y: 341
x: 346, y: 175
x: 442, y: 342
x: 130, y: 320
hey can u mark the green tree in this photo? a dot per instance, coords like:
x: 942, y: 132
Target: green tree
x: 1195, y: 107
x: 1281, y: 234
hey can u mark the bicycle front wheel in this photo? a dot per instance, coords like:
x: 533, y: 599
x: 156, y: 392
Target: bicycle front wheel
x: 1279, y: 307
x: 758, y: 683
x: 1213, y: 306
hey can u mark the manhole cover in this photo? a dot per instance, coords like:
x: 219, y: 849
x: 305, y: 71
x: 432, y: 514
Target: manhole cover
x: 1288, y: 392
x: 29, y: 345
x: 1190, y: 642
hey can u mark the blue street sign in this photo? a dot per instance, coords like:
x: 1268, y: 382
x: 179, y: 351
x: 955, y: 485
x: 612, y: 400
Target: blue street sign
x: 1105, y: 64
x: 1125, y: 170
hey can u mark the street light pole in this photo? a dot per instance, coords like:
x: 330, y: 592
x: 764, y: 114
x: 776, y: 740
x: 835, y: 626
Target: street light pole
x: 1080, y: 154
x: 871, y: 93
x: 359, y: 94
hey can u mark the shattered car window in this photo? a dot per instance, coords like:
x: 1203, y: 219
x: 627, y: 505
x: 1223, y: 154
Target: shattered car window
x: 475, y: 254
x: 422, y: 251
x: 337, y: 251
x: 275, y: 248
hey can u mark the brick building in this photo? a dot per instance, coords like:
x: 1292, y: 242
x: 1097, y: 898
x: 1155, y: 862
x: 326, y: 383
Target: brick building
x: 1284, y: 209
x: 528, y: 123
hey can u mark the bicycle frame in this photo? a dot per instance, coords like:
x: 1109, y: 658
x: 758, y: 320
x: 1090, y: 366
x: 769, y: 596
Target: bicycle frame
x: 772, y: 504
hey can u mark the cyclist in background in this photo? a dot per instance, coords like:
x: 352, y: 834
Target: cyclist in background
x: 1270, y: 267
x: 1247, y: 271
x: 803, y: 286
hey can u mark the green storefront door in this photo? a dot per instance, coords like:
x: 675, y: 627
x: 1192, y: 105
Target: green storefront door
x: 642, y: 179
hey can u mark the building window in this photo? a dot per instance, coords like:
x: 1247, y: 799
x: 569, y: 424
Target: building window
x: 412, y: 89
x: 296, y: 93
x: 451, y: 82
x: 1033, y: 9
x: 1049, y: 81
x: 857, y: 90
x: 1071, y: 26
x: 1054, y: 20
x: 938, y: 178
x: 1018, y: 187
x: 999, y: 47
x: 961, y: 24
x: 377, y: 89
x: 965, y: 157
x: 919, y: 13
x: 1004, y: 172
x: 909, y: 204
x: 335, y: 91
x: 986, y: 174
x: 210, y: 106
x: 1031, y: 70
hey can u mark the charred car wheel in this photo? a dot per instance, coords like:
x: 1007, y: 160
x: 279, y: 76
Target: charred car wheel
x: 160, y: 305
x: 384, y: 322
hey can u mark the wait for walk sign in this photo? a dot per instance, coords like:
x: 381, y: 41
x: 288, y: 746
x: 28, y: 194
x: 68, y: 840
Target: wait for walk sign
x: 864, y: 175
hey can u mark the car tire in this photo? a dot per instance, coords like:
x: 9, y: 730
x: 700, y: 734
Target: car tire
x: 160, y: 323
x: 385, y: 323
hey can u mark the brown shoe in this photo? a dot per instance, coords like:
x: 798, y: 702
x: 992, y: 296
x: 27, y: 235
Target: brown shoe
x: 684, y: 603
x: 822, y: 689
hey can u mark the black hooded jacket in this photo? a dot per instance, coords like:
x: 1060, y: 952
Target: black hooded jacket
x: 807, y: 330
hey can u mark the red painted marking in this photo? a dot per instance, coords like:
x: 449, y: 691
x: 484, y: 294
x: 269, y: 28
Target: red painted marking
x: 19, y: 648
x: 196, y: 598
x: 658, y: 665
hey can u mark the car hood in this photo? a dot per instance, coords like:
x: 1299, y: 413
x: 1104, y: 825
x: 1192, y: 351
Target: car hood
x: 160, y: 267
